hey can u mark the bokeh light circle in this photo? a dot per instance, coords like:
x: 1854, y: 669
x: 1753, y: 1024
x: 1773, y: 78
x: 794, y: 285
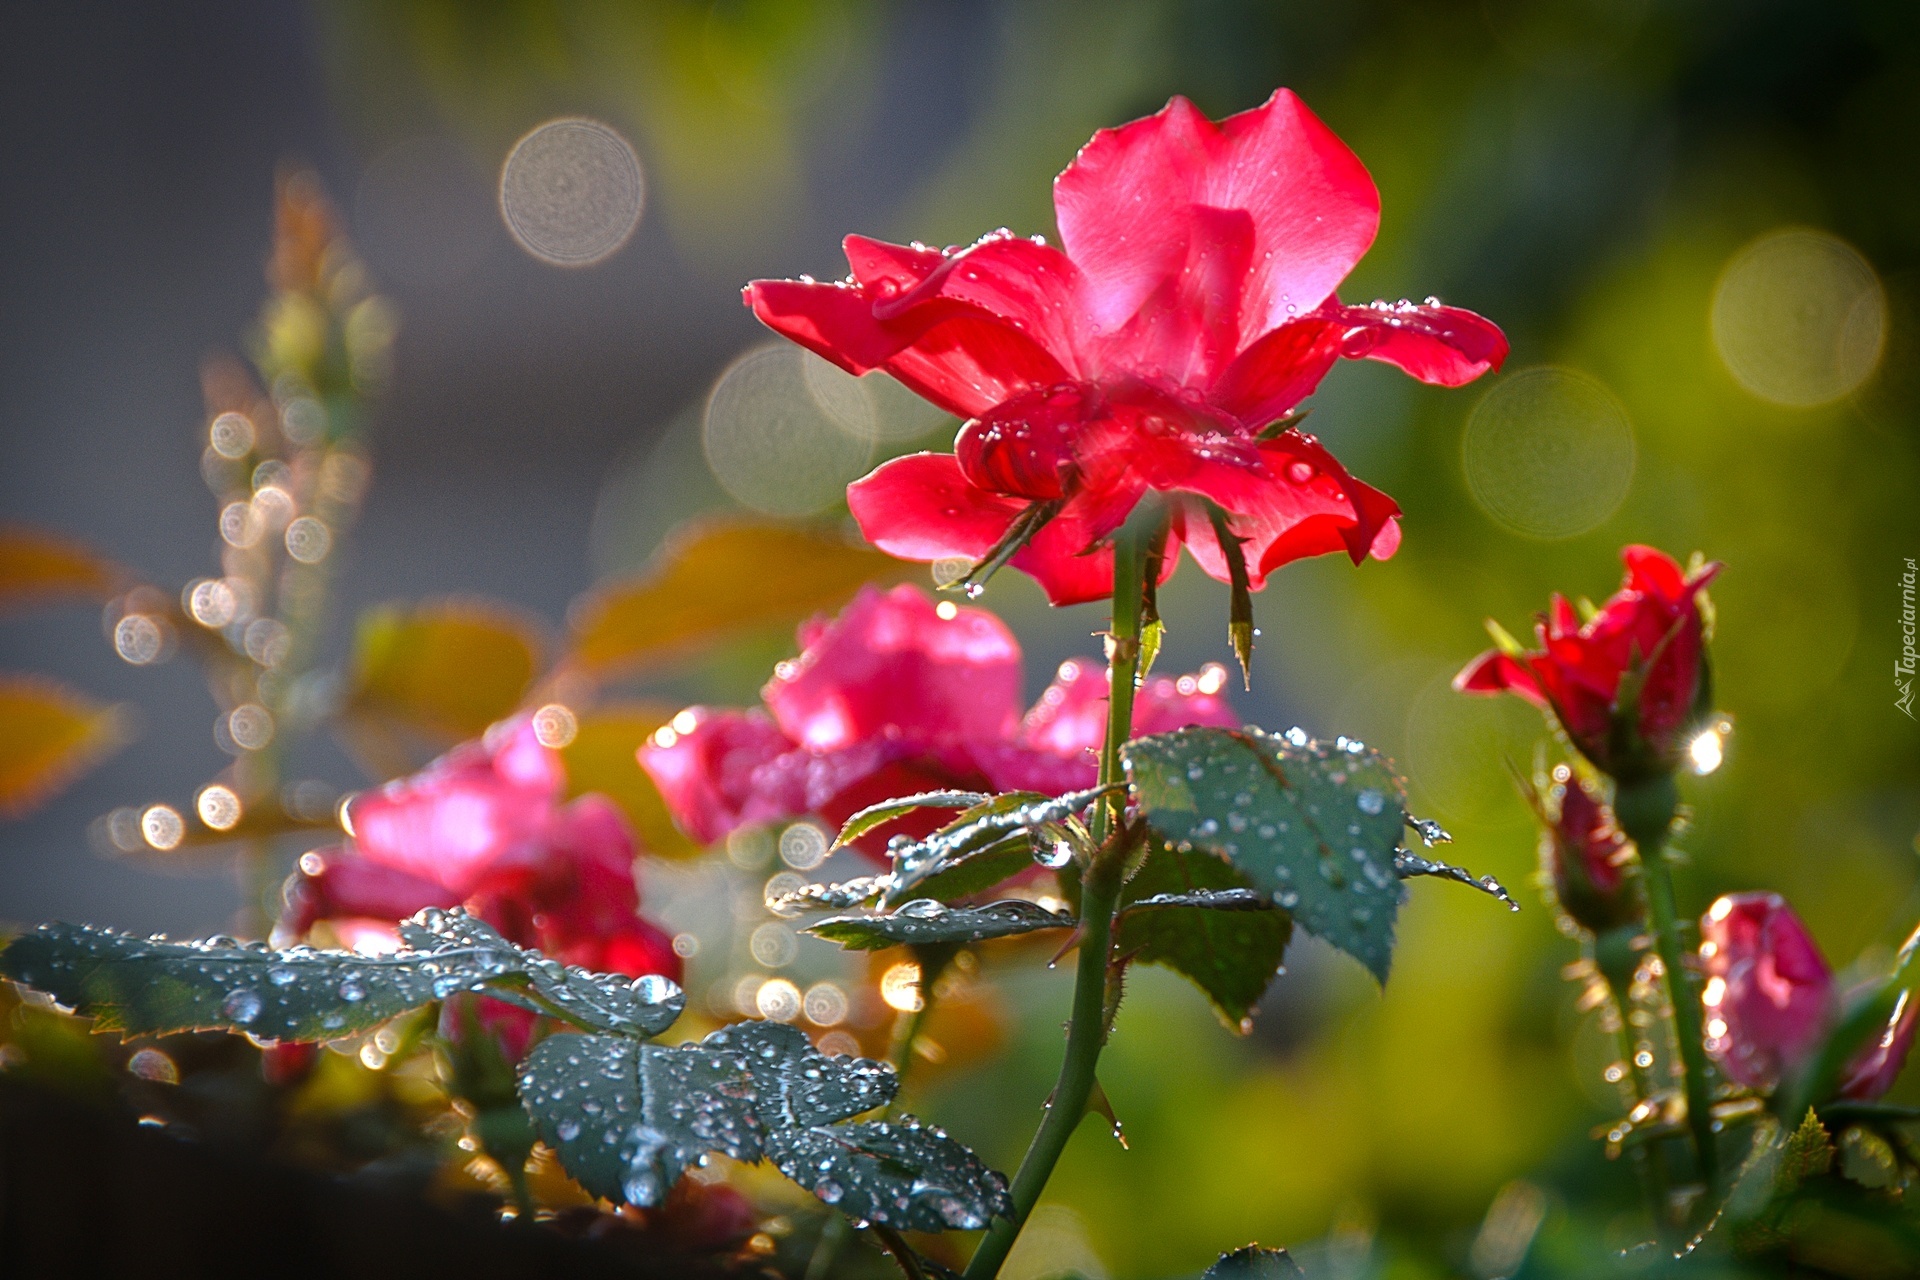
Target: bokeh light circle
x: 1799, y: 317
x: 1548, y: 452
x: 571, y: 192
x: 775, y: 443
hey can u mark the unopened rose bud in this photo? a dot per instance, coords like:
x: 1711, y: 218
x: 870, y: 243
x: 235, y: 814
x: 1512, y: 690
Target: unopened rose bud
x: 1628, y: 686
x: 1585, y: 856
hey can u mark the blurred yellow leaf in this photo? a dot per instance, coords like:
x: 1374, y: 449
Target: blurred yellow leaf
x: 443, y: 668
x: 49, y: 735
x: 601, y: 758
x: 714, y: 579
x: 36, y: 564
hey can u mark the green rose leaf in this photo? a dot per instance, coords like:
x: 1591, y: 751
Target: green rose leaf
x: 878, y: 815
x: 1254, y: 1263
x: 926, y: 920
x: 902, y: 1174
x: 1195, y: 914
x: 1022, y: 818
x: 628, y: 1119
x: 144, y: 985
x: 1314, y: 826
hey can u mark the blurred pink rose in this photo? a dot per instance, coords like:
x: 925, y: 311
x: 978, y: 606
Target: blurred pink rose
x: 1771, y: 1001
x: 484, y: 827
x: 891, y: 698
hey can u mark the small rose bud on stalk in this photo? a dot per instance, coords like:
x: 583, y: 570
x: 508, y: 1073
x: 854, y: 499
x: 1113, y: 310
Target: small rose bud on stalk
x: 1776, y: 1021
x: 1630, y: 688
x: 1583, y: 855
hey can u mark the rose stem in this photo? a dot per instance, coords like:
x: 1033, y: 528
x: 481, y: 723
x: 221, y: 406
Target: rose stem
x: 1615, y: 957
x: 1645, y: 811
x: 1100, y: 892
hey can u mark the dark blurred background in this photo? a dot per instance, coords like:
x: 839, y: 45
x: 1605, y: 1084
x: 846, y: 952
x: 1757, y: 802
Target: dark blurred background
x: 1698, y: 220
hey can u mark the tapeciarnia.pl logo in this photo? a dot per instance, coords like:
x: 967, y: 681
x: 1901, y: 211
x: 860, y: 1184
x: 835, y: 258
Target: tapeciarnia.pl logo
x: 1903, y: 666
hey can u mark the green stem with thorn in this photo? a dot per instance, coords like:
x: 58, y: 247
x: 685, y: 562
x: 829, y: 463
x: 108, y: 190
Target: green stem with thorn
x: 1615, y: 957
x: 1645, y: 811
x: 1100, y: 894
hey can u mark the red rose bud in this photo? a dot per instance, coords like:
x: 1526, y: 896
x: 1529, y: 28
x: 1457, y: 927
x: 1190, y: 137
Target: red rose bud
x: 1584, y: 855
x: 1630, y: 686
x: 894, y: 696
x: 1771, y: 1003
x: 285, y: 1065
x: 700, y: 1217
x: 510, y: 1028
x: 1157, y: 349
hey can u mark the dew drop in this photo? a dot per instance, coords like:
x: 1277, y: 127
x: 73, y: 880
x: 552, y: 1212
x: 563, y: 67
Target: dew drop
x: 1370, y: 801
x: 652, y: 988
x: 242, y: 1006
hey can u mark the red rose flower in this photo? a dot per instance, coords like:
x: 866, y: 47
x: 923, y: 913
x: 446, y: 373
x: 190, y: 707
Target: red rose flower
x: 484, y: 826
x: 893, y: 697
x: 1652, y: 631
x: 1583, y: 853
x: 1771, y: 1002
x: 1190, y: 307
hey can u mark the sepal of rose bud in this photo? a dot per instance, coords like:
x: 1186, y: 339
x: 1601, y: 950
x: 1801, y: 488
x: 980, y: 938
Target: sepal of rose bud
x: 1585, y: 857
x: 1875, y: 1068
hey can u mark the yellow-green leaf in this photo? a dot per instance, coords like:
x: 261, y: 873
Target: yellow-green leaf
x: 717, y: 578
x: 444, y: 668
x: 602, y: 758
x: 37, y: 565
x: 49, y: 735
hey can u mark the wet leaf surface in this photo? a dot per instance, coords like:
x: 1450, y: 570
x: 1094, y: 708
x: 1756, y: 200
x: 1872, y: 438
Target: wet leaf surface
x: 628, y: 1119
x: 1254, y: 1263
x: 926, y: 920
x: 984, y: 826
x: 1408, y: 865
x: 879, y: 815
x: 144, y: 985
x: 1195, y: 914
x: 1313, y: 825
x: 901, y: 1173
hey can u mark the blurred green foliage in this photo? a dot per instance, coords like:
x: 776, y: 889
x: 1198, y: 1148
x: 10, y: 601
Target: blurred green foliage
x: 1582, y: 171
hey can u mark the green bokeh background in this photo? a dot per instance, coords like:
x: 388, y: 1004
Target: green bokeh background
x: 1579, y: 170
